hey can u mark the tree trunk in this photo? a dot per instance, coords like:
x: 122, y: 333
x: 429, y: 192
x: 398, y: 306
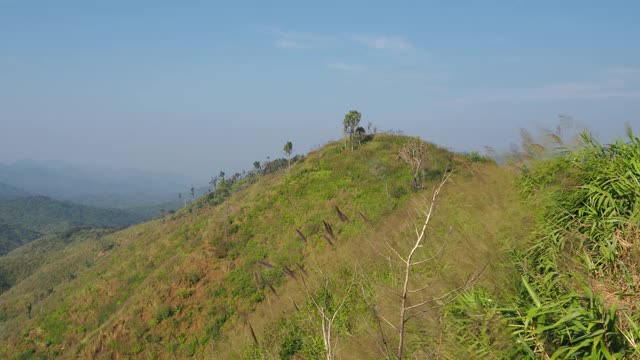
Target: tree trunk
x: 403, y: 308
x: 416, y: 182
x: 386, y: 186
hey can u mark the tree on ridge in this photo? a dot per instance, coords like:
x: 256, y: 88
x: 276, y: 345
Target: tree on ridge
x: 350, y: 124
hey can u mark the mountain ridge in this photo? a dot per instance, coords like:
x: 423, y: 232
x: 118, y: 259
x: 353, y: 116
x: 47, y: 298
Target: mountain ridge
x: 205, y: 254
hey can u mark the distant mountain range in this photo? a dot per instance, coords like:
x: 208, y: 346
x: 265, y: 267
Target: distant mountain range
x: 44, y: 198
x: 99, y: 187
x: 25, y: 217
x: 8, y: 192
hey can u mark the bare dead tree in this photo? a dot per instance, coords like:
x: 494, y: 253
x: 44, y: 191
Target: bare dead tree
x: 327, y: 316
x: 413, y: 154
x: 410, y: 310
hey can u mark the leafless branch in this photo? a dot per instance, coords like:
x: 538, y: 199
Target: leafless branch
x: 420, y: 234
x: 393, y: 291
x: 444, y: 242
x: 327, y: 320
x: 420, y: 289
x: 438, y: 298
x: 395, y: 252
x: 388, y: 322
x: 470, y: 281
x: 413, y: 154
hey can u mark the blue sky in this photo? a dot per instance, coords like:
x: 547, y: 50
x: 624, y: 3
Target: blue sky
x: 198, y: 86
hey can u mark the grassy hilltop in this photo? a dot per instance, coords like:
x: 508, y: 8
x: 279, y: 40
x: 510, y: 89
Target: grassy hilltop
x: 248, y: 270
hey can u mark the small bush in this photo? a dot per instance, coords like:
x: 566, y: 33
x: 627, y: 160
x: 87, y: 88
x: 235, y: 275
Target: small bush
x: 213, y: 331
x: 398, y: 192
x: 193, y: 278
x: 163, y: 313
x: 475, y: 156
x: 185, y: 293
x: 222, y: 249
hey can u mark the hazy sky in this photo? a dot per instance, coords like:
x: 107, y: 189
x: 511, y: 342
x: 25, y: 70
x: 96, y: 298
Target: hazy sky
x: 198, y: 86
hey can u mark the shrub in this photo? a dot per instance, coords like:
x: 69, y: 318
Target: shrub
x: 398, y: 192
x: 164, y: 312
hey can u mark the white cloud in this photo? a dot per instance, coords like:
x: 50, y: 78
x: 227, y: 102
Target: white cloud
x: 551, y: 92
x: 345, y: 67
x: 383, y: 42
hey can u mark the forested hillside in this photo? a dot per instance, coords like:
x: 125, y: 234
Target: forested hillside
x: 25, y: 218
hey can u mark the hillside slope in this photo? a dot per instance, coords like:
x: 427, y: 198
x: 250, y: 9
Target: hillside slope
x: 55, y: 249
x: 533, y: 261
x: 175, y: 285
x: 13, y: 236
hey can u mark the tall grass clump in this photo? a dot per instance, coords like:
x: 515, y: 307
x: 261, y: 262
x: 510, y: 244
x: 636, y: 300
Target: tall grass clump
x: 575, y: 296
x: 577, y: 293
x: 594, y: 210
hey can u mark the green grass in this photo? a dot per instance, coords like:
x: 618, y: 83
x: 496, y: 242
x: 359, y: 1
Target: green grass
x: 203, y: 260
x: 62, y: 255
x: 200, y: 282
x: 473, y: 206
